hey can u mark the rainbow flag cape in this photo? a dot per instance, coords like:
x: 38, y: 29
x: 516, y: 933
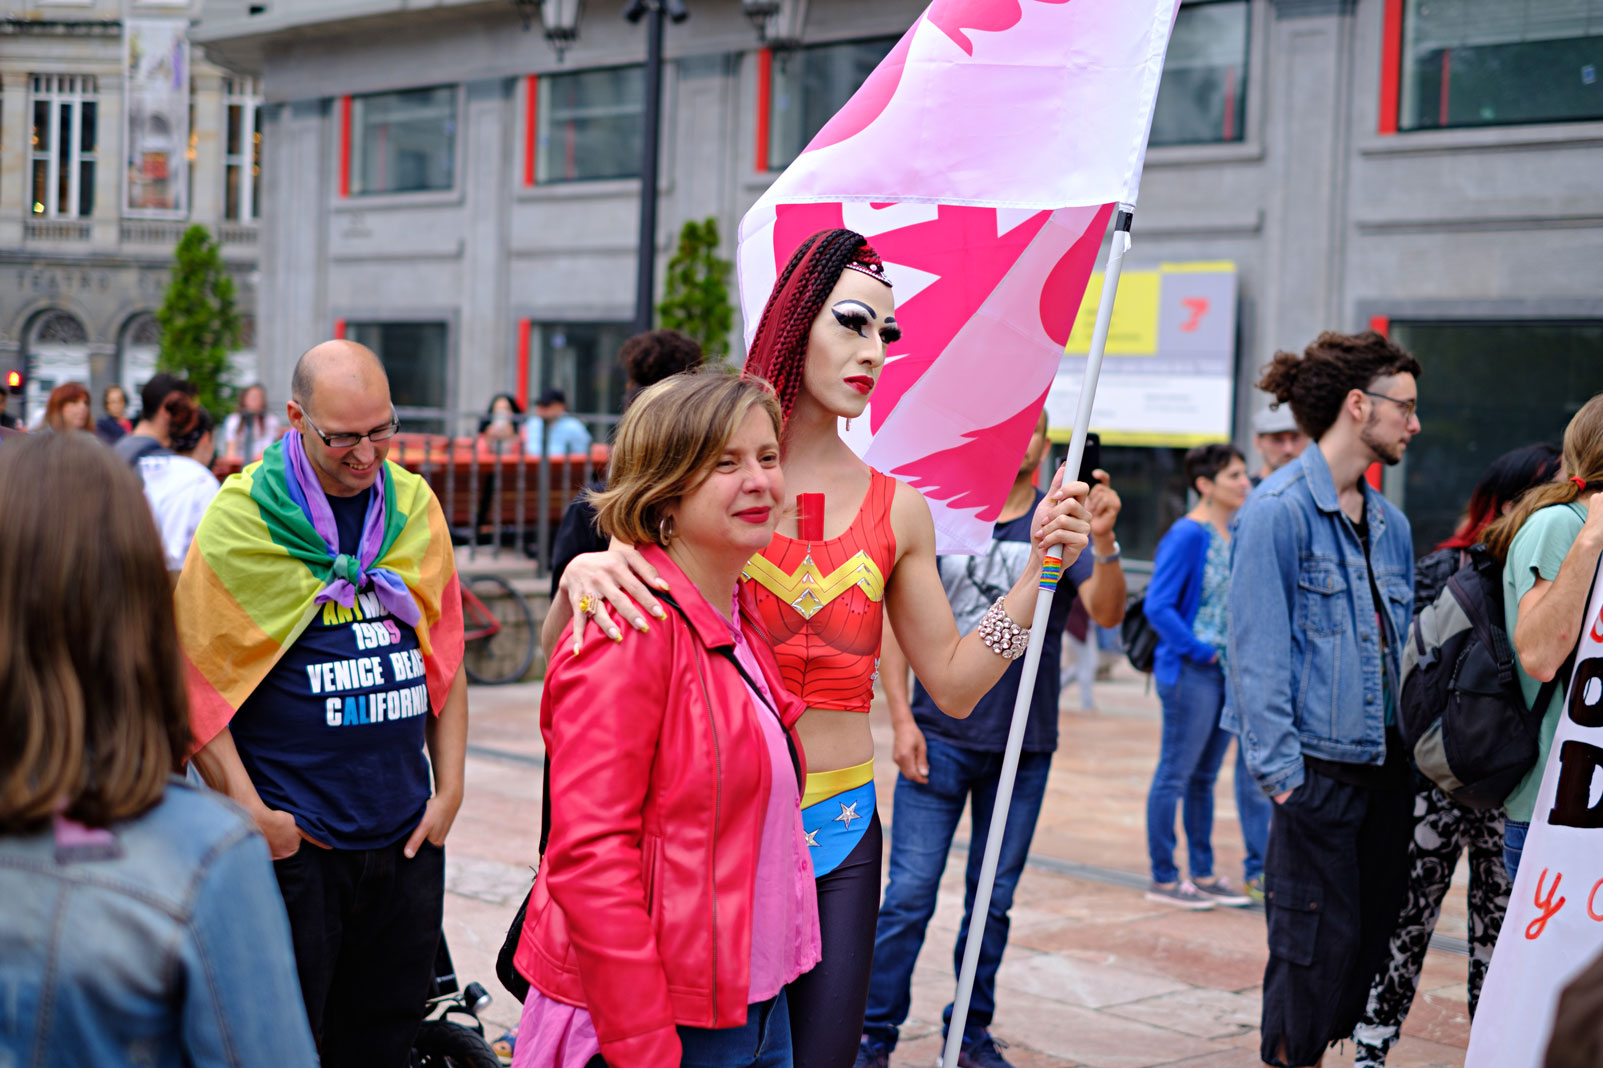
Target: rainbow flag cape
x: 249, y: 585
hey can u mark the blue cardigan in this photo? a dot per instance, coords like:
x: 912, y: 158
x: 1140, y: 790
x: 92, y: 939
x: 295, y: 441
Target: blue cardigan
x: 1173, y: 596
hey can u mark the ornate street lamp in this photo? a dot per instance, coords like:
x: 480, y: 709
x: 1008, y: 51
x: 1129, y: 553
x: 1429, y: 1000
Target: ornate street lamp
x: 558, y: 18
x: 779, y: 23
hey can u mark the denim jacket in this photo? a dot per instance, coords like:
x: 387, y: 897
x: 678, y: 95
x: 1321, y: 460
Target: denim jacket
x: 1307, y: 653
x: 175, y: 952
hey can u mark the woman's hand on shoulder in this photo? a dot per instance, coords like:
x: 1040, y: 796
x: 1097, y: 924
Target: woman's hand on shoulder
x: 620, y: 577
x: 1062, y: 518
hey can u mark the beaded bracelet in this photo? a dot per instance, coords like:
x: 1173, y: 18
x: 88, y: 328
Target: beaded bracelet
x: 1001, y: 635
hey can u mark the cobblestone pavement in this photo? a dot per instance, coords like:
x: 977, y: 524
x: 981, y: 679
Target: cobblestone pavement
x: 1094, y: 975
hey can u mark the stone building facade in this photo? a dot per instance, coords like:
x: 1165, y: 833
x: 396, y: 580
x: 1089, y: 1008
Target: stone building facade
x: 89, y: 216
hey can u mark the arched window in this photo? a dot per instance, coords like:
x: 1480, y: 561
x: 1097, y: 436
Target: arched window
x: 136, y: 355
x: 242, y: 361
x: 58, y: 351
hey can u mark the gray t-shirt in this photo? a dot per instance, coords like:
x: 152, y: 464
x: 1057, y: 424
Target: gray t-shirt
x: 133, y: 447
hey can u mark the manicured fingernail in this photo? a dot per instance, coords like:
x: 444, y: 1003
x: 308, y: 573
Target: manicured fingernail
x: 575, y: 648
x: 617, y: 637
x: 662, y: 583
x: 640, y: 624
x: 659, y: 612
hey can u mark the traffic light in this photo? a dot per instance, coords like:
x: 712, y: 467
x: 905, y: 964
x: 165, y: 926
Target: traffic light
x: 14, y: 381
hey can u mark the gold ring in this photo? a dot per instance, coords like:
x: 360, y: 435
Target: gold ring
x: 586, y: 605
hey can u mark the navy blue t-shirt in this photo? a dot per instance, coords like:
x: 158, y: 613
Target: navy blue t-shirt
x: 334, y: 735
x: 972, y: 584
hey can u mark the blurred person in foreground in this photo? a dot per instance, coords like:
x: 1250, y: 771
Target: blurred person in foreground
x: 944, y: 761
x: 167, y: 404
x: 1188, y: 604
x: 675, y: 900
x: 250, y: 427
x: 115, y: 424
x: 1443, y: 828
x: 141, y: 926
x: 320, y: 614
x: 180, y: 486
x: 647, y: 359
x: 68, y: 409
x: 7, y: 420
x: 1321, y: 596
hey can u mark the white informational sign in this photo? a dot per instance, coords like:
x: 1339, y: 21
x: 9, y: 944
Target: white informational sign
x: 1554, y: 926
x: 1168, y: 377
x: 156, y: 118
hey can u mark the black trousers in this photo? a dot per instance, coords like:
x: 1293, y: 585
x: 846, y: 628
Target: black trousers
x: 827, y: 1004
x: 366, y: 925
x: 1335, y: 877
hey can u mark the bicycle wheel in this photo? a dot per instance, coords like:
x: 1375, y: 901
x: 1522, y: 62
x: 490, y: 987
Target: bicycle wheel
x: 499, y: 631
x: 443, y: 1044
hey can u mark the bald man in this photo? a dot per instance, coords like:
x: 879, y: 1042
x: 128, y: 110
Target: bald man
x: 327, y: 751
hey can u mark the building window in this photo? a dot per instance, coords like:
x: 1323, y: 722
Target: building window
x: 1474, y: 410
x: 404, y: 142
x: 58, y: 352
x: 1202, y: 98
x: 589, y: 124
x: 1490, y: 62
x: 415, y: 357
x: 62, y: 157
x: 581, y: 359
x: 810, y: 85
x: 242, y: 149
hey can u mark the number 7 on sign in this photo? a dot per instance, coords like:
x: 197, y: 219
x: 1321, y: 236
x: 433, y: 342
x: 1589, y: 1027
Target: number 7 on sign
x: 1198, y: 307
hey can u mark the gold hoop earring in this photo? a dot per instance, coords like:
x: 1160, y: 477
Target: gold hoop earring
x: 665, y: 530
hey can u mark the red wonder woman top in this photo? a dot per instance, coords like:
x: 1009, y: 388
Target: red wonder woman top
x: 822, y: 602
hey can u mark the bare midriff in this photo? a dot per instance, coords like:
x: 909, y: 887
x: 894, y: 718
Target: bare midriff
x: 833, y: 739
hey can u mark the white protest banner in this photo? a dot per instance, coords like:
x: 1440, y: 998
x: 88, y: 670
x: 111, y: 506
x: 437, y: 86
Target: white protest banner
x: 1554, y: 925
x: 156, y: 118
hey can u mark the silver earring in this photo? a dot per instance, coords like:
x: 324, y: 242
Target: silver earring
x: 848, y: 424
x: 665, y: 530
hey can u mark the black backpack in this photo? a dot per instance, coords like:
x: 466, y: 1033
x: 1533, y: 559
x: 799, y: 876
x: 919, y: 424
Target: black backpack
x: 1140, y: 640
x: 1461, y: 712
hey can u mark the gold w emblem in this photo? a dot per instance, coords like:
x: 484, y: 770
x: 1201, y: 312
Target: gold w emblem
x: 808, y: 589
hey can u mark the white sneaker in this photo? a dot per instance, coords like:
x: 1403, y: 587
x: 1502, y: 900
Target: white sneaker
x: 1179, y: 895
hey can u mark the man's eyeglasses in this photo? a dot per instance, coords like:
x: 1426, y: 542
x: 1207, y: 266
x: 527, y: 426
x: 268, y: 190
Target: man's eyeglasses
x: 348, y: 440
x: 1410, y: 407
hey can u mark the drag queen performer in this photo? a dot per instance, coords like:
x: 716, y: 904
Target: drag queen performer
x: 852, y: 540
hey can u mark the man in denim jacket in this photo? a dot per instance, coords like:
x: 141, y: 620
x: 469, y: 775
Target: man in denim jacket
x: 1320, y: 601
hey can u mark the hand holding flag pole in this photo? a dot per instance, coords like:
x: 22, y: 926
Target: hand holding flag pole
x: 1032, y: 655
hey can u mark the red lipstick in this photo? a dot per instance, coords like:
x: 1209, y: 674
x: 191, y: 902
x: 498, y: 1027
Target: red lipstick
x: 755, y: 516
x: 862, y: 384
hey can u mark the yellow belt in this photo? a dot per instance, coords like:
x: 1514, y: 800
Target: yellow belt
x: 823, y: 785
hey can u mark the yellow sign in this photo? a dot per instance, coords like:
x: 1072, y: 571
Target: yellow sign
x: 1134, y: 329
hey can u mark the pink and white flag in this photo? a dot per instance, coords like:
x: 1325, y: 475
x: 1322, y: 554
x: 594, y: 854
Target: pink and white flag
x: 982, y: 159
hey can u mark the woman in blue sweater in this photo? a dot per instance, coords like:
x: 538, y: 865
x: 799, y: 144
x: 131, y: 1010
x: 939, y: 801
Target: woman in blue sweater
x: 1186, y: 604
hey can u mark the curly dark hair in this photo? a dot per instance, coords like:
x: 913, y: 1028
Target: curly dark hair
x: 650, y: 357
x: 1317, y: 382
x: 185, y: 440
x: 779, y: 348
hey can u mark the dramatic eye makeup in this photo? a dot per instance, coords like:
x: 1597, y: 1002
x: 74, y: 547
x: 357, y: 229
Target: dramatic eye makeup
x: 855, y: 316
x: 890, y: 333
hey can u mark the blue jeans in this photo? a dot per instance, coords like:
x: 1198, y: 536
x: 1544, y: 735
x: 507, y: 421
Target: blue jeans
x: 1514, y: 833
x: 763, y: 1041
x: 1193, y: 748
x: 923, y: 821
x: 1253, y: 809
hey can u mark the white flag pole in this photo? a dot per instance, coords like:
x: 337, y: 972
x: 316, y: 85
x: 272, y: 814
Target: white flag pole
x: 1032, y: 655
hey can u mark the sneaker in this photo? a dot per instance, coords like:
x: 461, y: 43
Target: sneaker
x: 1254, y: 888
x: 986, y: 1053
x: 871, y: 1054
x: 1221, y: 893
x: 1181, y: 895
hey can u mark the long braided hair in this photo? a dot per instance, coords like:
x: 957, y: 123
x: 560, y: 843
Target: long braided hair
x: 779, y: 348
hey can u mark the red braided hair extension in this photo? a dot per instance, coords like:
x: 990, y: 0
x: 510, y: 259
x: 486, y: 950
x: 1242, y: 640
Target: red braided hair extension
x: 779, y: 348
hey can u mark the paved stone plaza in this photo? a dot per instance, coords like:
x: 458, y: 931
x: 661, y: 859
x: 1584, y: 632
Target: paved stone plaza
x: 1094, y: 974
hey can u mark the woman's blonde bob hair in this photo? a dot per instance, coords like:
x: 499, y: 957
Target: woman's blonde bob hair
x: 1583, y: 459
x: 92, y: 703
x: 668, y: 443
